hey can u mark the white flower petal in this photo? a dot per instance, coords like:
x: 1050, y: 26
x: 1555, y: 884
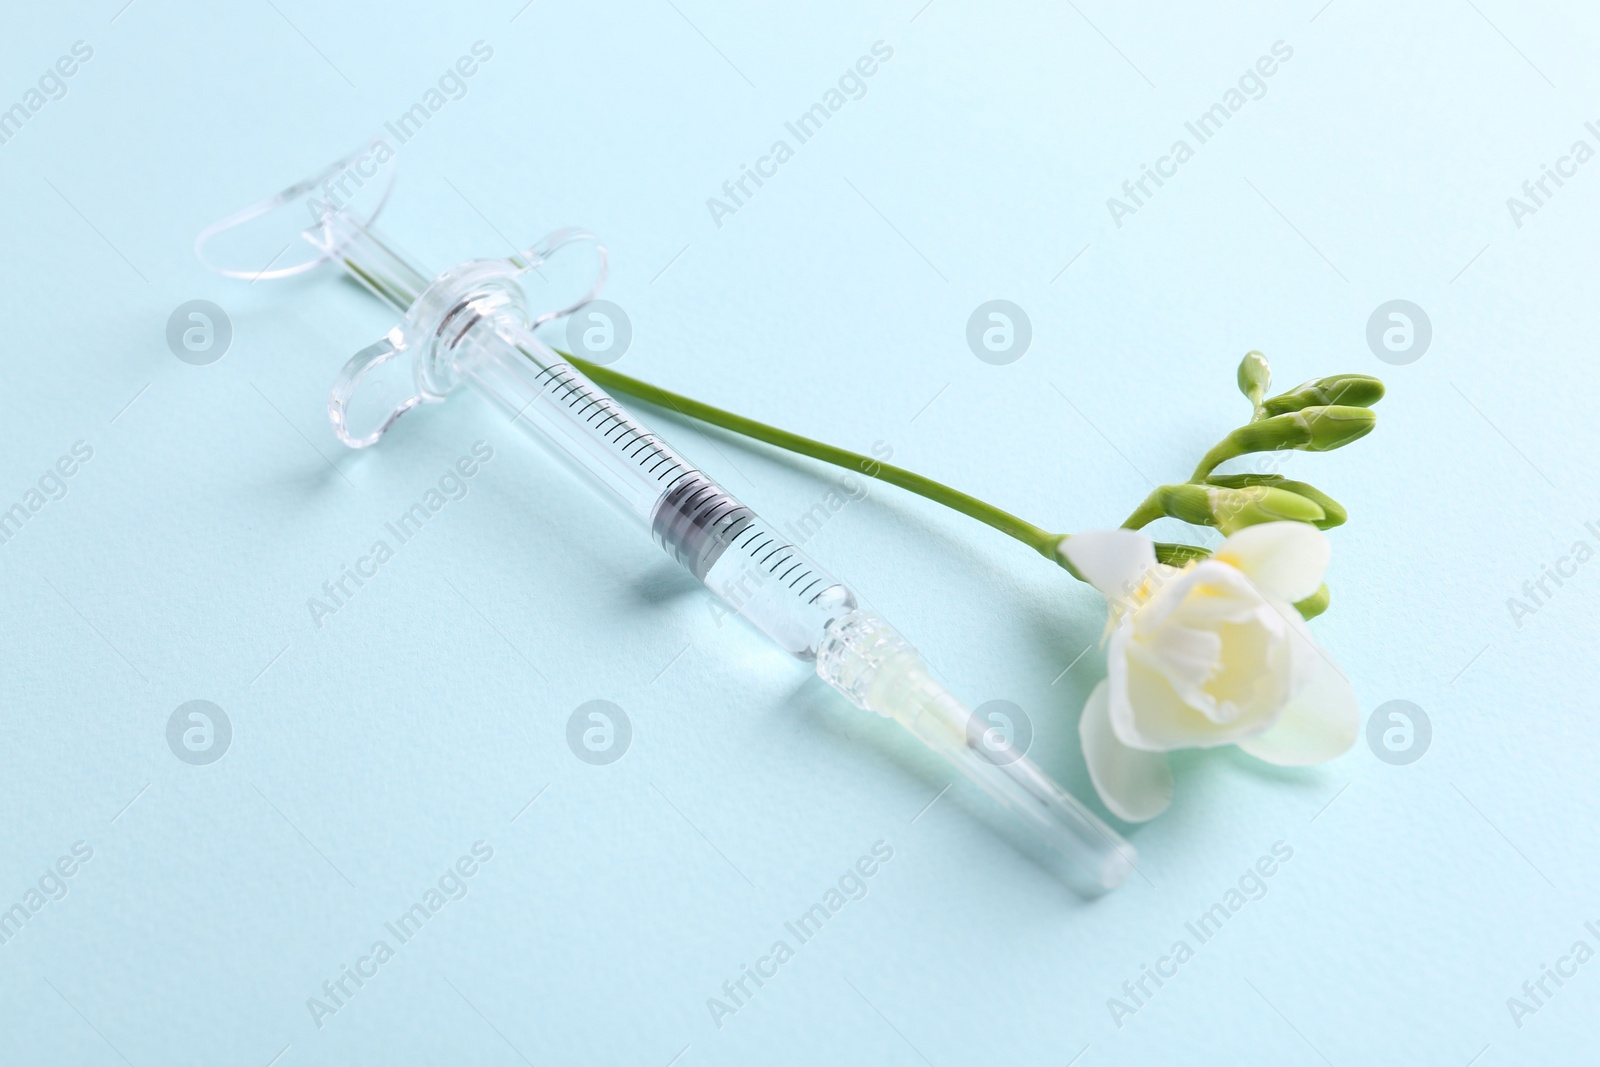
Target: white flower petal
x: 1257, y: 674
x: 1318, y: 724
x: 1207, y: 595
x: 1285, y: 560
x: 1186, y: 656
x: 1211, y: 643
x: 1113, y: 561
x: 1145, y: 712
x: 1135, y: 785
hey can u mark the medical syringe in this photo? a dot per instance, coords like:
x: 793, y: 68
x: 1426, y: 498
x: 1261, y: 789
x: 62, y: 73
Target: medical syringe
x: 471, y: 325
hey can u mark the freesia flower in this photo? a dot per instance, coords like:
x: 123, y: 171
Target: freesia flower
x: 1203, y: 650
x: 1212, y: 653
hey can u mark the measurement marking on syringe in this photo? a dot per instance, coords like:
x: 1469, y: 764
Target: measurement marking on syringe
x: 613, y: 425
x: 687, y: 507
x: 677, y: 465
x: 657, y: 459
x: 688, y: 472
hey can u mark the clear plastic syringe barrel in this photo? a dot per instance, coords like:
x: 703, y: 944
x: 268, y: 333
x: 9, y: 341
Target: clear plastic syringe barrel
x: 727, y: 546
x: 476, y: 331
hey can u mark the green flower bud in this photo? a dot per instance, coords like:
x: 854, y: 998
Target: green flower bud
x: 1234, y: 509
x: 1191, y: 503
x: 1315, y: 604
x: 1313, y: 429
x: 1349, y: 390
x: 1255, y: 376
x: 1333, y: 513
x: 1336, y: 425
x: 1237, y: 508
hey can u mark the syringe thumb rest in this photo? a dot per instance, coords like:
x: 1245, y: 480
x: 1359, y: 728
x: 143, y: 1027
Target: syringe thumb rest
x: 864, y: 658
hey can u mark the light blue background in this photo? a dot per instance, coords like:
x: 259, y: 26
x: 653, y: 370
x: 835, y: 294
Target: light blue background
x: 371, y: 753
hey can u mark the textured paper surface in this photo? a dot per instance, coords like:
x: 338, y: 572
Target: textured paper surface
x: 368, y: 754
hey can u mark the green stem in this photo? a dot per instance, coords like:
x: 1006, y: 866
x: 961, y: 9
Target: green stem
x: 1213, y: 459
x: 1145, y: 513
x: 1040, y: 540
x: 1037, y: 538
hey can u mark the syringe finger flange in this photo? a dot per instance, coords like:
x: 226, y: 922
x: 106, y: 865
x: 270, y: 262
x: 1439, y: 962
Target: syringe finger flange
x: 429, y: 341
